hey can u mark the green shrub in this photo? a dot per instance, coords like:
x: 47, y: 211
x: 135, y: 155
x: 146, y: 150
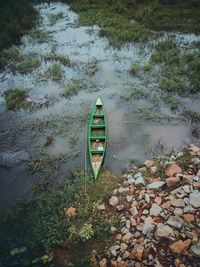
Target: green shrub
x: 134, y: 69
x: 61, y: 58
x: 73, y: 88
x: 55, y: 72
x: 86, y: 232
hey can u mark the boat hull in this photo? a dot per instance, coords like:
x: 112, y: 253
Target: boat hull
x: 97, y: 136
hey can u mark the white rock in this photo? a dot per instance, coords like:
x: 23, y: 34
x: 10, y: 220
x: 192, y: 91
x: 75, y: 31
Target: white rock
x: 113, y: 201
x: 129, y: 198
x: 115, y: 250
x: 155, y: 210
x: 147, y: 198
x: 195, y: 250
x: 148, y: 228
x: 155, y: 185
x: 186, y: 189
x: 123, y: 190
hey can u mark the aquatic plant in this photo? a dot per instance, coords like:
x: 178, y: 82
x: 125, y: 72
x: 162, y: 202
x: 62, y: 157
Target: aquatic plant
x: 55, y: 17
x: 134, y: 69
x: 14, y: 98
x: 65, y: 60
x: 134, y: 94
x: 55, y: 72
x: 73, y: 88
x: 40, y: 35
x: 92, y: 67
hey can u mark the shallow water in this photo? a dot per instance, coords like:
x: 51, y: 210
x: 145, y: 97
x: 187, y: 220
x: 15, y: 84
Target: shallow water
x: 130, y: 136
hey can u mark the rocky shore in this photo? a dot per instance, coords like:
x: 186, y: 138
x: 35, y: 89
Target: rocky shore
x: 158, y: 206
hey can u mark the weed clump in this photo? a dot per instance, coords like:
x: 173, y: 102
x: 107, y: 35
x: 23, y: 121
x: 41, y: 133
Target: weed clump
x: 135, y: 94
x: 73, y: 88
x: 14, y: 98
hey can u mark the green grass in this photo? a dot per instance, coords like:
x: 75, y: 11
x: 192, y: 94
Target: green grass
x: 73, y: 88
x: 150, y: 114
x: 39, y: 225
x: 64, y: 60
x: 14, y: 98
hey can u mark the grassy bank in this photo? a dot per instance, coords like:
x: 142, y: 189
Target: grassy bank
x: 16, y: 18
x: 34, y: 232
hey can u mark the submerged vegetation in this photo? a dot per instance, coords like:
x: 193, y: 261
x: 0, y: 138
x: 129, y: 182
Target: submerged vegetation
x: 38, y: 225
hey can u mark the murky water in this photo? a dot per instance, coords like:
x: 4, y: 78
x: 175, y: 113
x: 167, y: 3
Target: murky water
x: 131, y: 137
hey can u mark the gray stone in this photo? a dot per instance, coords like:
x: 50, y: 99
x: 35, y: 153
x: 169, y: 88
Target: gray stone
x: 113, y: 201
x: 164, y: 231
x: 198, y: 174
x: 147, y: 198
x: 195, y: 160
x: 140, y: 181
x: 195, y: 250
x: 120, y: 207
x: 129, y: 176
x: 178, y: 212
x: 101, y: 207
x: 175, y: 221
x: 155, y: 210
x: 115, y: 250
x: 125, y: 255
x: 123, y: 190
x: 134, y: 211
x: 129, y: 198
x: 153, y: 169
x: 196, y: 179
x: 155, y: 185
x: 188, y: 209
x: 137, y: 175
x: 186, y: 189
x: 195, y: 199
x: 131, y: 181
x: 147, y: 228
x: 145, y: 212
x: 128, y: 224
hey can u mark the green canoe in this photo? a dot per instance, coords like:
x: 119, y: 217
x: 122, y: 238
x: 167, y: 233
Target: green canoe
x: 97, y: 136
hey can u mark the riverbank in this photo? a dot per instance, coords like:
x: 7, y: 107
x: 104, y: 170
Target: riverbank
x: 148, y: 216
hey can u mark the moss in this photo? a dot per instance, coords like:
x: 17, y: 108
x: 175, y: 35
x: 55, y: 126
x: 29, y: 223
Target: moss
x: 73, y: 88
x: 14, y: 98
x: 65, y: 60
